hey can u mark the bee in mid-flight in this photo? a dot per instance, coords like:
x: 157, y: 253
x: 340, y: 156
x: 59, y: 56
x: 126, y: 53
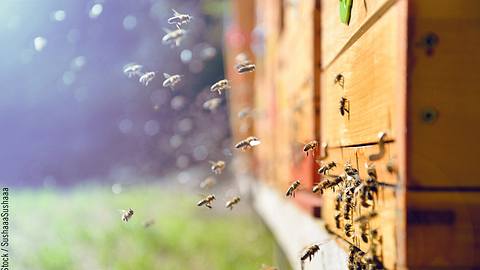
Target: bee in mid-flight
x: 207, y: 201
x: 173, y: 37
x: 311, y: 146
x: 179, y: 19
x: 148, y: 223
x: 340, y: 80
x: 291, y: 190
x: 308, y: 253
x: 127, y: 214
x: 325, y: 168
x: 212, y: 104
x: 132, y: 70
x: 244, y: 65
x: 344, y: 106
x: 208, y: 182
x: 248, y: 143
x: 171, y: 80
x: 232, y: 202
x: 146, y: 78
x: 217, y: 166
x: 220, y: 86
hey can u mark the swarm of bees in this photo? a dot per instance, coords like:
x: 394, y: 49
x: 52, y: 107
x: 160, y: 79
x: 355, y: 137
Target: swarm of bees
x: 247, y: 143
x: 127, y: 214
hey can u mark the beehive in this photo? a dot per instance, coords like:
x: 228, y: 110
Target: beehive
x: 407, y: 70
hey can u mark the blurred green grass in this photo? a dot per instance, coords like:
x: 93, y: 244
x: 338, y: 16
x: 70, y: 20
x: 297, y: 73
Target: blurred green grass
x: 82, y: 229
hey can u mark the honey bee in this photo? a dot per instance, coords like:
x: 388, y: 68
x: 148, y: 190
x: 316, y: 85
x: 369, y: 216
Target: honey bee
x: 364, y: 224
x: 245, y: 67
x: 347, y: 210
x: 343, y: 106
x: 208, y: 182
x: 207, y: 201
x: 171, y: 80
x: 311, y: 146
x: 232, y: 202
x: 371, y: 171
x: 292, y: 188
x: 217, y: 166
x: 179, y: 19
x: 338, y: 217
x: 340, y: 80
x: 173, y: 37
x: 148, y: 223
x: 127, y: 214
x: 247, y: 143
x: 348, y: 228
x: 146, y: 78
x: 349, y: 170
x: 321, y: 186
x: 338, y: 201
x: 308, y: 253
x: 391, y: 168
x: 325, y: 168
x: 212, y: 104
x: 132, y: 70
x: 220, y: 86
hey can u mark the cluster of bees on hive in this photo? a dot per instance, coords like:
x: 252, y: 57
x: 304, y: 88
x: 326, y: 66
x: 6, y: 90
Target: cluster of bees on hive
x: 350, y: 191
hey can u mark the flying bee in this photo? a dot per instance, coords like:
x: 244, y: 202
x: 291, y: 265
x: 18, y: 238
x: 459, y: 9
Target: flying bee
x: 292, y: 188
x: 311, y: 146
x: 245, y: 67
x: 173, y: 37
x: 232, y: 202
x: 208, y: 182
x: 321, y: 186
x: 132, y: 70
x: 248, y: 143
x: 338, y: 217
x: 212, y: 104
x: 340, y: 80
x: 207, y: 201
x: 179, y: 19
x: 349, y: 170
x: 309, y: 252
x: 127, y: 214
x: 343, y: 106
x: 171, y: 80
x: 148, y: 223
x: 146, y: 78
x: 220, y: 86
x: 217, y: 166
x: 325, y: 168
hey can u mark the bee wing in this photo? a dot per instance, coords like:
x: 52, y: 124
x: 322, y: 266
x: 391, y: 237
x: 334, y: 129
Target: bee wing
x: 175, y: 12
x: 212, y: 162
x: 166, y: 75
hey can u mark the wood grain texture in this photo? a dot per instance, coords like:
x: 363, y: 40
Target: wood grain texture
x: 336, y: 35
x: 369, y: 69
x: 443, y: 230
x: 444, y: 152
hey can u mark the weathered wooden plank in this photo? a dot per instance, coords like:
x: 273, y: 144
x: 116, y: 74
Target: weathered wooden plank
x: 443, y: 230
x: 370, y: 77
x: 444, y: 93
x: 336, y: 35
